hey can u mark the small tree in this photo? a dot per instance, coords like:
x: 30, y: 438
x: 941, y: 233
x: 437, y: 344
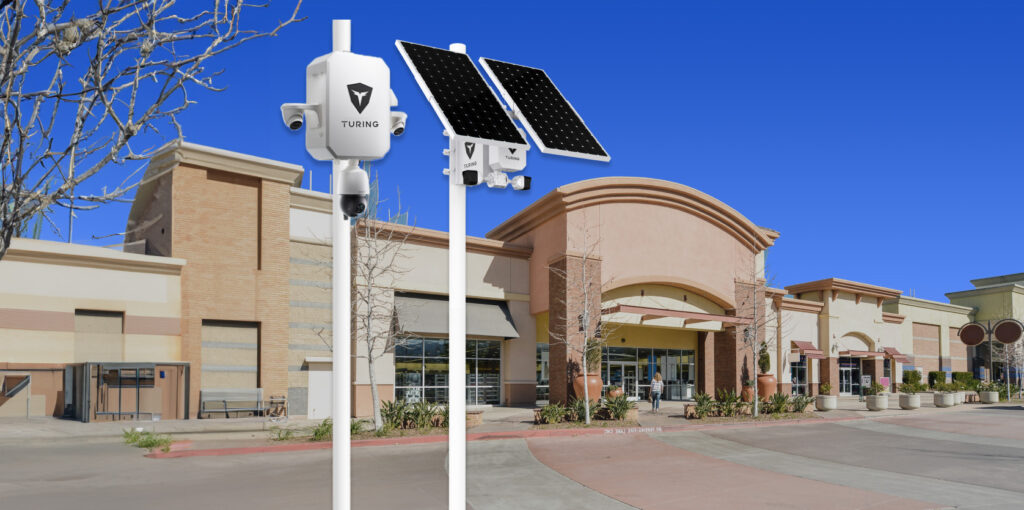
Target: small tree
x: 93, y: 86
x: 751, y: 345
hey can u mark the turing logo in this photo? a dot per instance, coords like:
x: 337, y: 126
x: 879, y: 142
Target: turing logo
x: 360, y: 95
x: 470, y: 147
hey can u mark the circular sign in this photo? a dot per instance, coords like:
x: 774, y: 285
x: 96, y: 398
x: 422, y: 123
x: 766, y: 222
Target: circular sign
x: 1008, y: 331
x: 971, y: 333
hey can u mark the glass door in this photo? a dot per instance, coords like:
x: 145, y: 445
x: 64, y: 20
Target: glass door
x: 849, y: 376
x: 629, y: 380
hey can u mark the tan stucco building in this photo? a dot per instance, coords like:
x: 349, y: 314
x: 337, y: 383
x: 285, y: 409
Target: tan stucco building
x: 226, y: 278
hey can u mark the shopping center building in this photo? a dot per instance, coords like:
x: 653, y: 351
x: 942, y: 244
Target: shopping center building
x: 223, y: 287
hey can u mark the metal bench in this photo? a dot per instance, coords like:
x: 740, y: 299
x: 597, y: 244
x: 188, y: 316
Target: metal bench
x: 231, y: 401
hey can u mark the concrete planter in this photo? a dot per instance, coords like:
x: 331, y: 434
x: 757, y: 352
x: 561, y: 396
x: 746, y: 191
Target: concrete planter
x: 989, y: 397
x: 944, y: 399
x: 877, y: 402
x: 961, y: 397
x: 910, y: 402
x: 825, y: 402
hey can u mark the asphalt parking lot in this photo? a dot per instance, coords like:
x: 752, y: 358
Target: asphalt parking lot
x: 970, y: 458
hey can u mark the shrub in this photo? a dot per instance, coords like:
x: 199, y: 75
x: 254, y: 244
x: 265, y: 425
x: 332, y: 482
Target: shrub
x: 618, y: 407
x: 764, y: 360
x: 281, y: 434
x: 800, y: 403
x: 728, y: 403
x: 875, y: 389
x: 147, y: 440
x: 323, y: 431
x: 704, y: 406
x: 421, y: 415
x: 577, y: 409
x: 355, y: 426
x: 911, y: 377
x: 553, y: 413
x: 394, y: 413
x: 942, y: 387
x: 825, y: 388
x: 936, y: 376
x: 911, y: 388
x: 441, y: 415
x: 965, y: 378
x: 777, y: 403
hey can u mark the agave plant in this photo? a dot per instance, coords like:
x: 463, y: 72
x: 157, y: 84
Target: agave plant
x: 705, y: 405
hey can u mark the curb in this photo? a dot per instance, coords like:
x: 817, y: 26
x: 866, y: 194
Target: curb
x: 480, y: 436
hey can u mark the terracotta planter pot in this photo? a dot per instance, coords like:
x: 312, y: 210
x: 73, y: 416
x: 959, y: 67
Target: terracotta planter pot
x: 910, y: 402
x: 767, y: 385
x: 989, y: 397
x: 747, y: 395
x: 593, y: 387
x: 617, y: 392
x: 826, y: 402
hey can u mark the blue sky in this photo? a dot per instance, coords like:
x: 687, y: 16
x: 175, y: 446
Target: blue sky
x: 884, y: 140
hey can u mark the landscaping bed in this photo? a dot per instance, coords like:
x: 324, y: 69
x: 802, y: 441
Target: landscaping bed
x: 595, y: 424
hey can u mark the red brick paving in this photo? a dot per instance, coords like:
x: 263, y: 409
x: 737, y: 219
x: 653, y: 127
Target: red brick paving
x: 648, y: 474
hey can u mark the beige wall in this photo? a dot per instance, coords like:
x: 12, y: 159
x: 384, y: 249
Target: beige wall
x: 928, y: 331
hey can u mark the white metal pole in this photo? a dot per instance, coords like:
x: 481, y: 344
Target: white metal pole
x: 341, y: 409
x: 456, y: 331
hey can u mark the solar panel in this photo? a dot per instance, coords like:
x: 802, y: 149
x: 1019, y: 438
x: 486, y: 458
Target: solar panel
x: 550, y: 119
x: 462, y: 99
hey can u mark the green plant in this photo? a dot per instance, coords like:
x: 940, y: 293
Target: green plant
x: 441, y: 415
x: 874, y: 389
x: 911, y: 377
x: 323, y: 431
x: 911, y: 388
x: 825, y: 389
x: 577, y: 410
x: 147, y: 440
x: 704, y: 405
x: 777, y: 403
x: 593, y: 348
x: 131, y: 436
x: 618, y: 407
x: 613, y: 388
x: 281, y: 434
x: 942, y: 387
x: 800, y: 403
x: 552, y: 413
x: 728, y: 403
x: 965, y: 378
x: 356, y: 426
x: 936, y: 376
x: 421, y: 415
x: 393, y: 413
x: 383, y: 431
x: 764, y: 359
x: 748, y: 383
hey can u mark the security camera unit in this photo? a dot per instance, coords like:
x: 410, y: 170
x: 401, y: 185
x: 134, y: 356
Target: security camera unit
x: 348, y: 118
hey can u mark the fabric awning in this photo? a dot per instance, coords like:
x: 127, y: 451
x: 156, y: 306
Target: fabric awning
x: 426, y: 314
x: 861, y: 354
x: 808, y: 349
x: 653, y: 313
x: 891, y: 352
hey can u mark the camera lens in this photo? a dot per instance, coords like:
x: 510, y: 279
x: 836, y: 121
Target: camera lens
x: 399, y: 131
x: 296, y: 124
x: 353, y: 205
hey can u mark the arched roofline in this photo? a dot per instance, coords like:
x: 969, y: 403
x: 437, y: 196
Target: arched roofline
x: 671, y: 281
x: 641, y: 190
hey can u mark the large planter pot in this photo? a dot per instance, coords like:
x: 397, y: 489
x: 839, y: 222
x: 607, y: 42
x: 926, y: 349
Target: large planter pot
x: 877, y: 402
x: 989, y: 397
x: 593, y: 386
x: 747, y: 394
x: 961, y: 397
x: 767, y: 385
x: 909, y: 402
x: 944, y: 399
x: 617, y: 392
x: 825, y: 402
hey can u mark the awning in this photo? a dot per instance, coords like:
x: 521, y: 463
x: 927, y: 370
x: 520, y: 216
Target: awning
x: 647, y: 313
x: 861, y: 354
x: 891, y: 352
x: 426, y: 314
x: 808, y: 349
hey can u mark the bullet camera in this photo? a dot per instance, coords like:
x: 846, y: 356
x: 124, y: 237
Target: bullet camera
x: 398, y: 122
x: 355, y: 196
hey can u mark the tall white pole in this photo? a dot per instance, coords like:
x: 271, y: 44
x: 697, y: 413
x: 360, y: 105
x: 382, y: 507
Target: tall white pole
x: 456, y: 331
x: 341, y: 282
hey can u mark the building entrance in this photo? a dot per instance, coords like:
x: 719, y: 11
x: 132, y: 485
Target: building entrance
x: 849, y: 376
x: 624, y: 375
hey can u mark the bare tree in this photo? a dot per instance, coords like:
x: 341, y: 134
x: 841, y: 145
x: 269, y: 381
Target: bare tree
x: 378, y: 262
x: 91, y: 86
x: 750, y: 339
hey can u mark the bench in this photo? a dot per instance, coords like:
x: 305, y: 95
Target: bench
x: 231, y: 401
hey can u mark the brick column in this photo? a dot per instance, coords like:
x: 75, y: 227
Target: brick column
x: 566, y: 287
x: 830, y: 373
x: 727, y: 361
x: 706, y: 362
x: 875, y: 368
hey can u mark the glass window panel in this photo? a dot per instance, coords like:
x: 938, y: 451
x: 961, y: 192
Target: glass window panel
x: 410, y: 347
x: 488, y: 395
x: 409, y: 394
x: 408, y: 372
x: 542, y: 363
x: 435, y: 372
x: 435, y: 348
x: 622, y: 354
x: 490, y: 349
x: 488, y: 372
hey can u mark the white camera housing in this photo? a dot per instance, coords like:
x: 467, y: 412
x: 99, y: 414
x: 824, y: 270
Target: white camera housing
x: 398, y: 122
x: 351, y: 96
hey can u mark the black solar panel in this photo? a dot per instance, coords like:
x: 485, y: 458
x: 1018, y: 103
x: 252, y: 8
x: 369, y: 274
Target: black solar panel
x: 466, y: 104
x: 551, y: 120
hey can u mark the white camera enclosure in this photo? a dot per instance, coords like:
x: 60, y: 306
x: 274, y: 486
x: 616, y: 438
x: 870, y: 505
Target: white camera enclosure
x: 354, y: 95
x: 506, y: 159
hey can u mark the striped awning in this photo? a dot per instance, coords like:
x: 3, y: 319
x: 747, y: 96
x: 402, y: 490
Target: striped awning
x: 892, y: 353
x: 808, y: 349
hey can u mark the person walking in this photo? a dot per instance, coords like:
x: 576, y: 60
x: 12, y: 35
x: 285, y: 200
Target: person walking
x: 656, y: 387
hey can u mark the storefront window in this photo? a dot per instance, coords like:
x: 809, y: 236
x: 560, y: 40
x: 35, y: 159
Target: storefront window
x: 676, y: 367
x: 421, y: 371
x: 798, y: 374
x: 542, y: 374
